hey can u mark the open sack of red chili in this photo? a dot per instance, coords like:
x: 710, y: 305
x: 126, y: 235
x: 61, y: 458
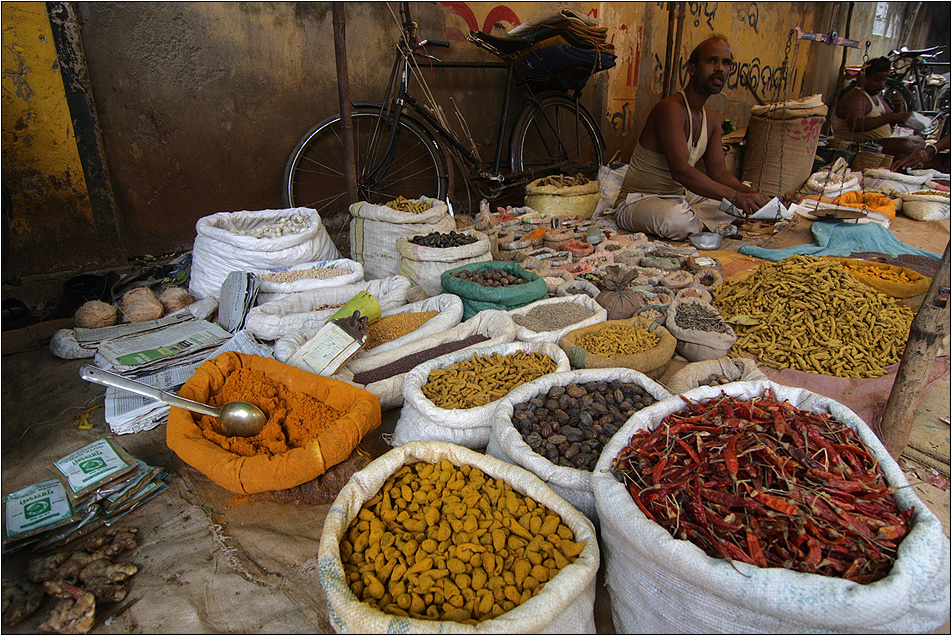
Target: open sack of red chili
x: 764, y: 508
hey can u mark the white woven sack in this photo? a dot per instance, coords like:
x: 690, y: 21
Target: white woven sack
x: 424, y: 265
x: 506, y: 443
x: 832, y: 185
x: 268, y: 291
x: 926, y: 207
x: 374, y: 230
x: 566, y: 605
x: 885, y: 180
x: 609, y: 185
x: 736, y: 369
x: 659, y: 584
x: 294, y: 312
x: 497, y: 326
x: 527, y: 335
x: 695, y: 344
x: 421, y: 420
x: 220, y: 248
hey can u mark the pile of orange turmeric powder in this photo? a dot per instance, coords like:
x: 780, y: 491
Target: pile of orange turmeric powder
x: 294, y: 418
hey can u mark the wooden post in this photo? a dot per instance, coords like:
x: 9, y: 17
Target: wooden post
x: 343, y: 95
x: 928, y: 328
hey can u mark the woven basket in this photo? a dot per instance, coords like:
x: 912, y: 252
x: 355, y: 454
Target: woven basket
x: 566, y: 201
x: 765, y: 137
x: 865, y: 160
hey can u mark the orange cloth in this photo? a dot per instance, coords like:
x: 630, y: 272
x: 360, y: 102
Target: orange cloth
x: 359, y: 413
x: 874, y: 201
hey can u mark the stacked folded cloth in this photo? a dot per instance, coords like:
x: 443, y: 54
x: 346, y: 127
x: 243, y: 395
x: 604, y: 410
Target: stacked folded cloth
x: 577, y: 29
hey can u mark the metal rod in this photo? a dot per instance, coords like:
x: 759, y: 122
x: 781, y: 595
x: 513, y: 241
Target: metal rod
x: 503, y: 119
x: 928, y: 328
x: 343, y: 95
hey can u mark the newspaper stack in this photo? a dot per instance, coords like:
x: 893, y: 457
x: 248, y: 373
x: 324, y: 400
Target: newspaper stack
x: 94, y: 486
x: 238, y: 294
x: 130, y: 413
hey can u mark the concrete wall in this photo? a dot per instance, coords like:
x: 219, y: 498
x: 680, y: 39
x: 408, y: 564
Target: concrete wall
x: 200, y: 104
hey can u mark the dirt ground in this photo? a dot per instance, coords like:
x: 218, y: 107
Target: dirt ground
x: 212, y: 561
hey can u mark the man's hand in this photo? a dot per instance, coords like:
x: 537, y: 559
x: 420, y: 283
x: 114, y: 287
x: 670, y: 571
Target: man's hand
x: 750, y: 202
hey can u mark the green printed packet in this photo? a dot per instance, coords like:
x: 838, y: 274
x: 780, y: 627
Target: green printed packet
x: 34, y: 510
x: 89, y: 468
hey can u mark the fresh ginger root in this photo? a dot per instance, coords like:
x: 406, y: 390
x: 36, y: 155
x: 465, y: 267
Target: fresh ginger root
x: 44, y: 568
x: 20, y: 600
x: 74, y: 614
x: 101, y: 568
x: 125, y: 539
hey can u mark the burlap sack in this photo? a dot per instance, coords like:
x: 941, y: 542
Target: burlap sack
x: 647, y: 362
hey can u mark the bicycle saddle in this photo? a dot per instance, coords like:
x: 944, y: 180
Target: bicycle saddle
x: 503, y: 47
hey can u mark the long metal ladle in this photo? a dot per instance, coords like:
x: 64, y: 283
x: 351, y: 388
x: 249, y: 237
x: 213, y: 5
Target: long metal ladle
x: 238, y: 419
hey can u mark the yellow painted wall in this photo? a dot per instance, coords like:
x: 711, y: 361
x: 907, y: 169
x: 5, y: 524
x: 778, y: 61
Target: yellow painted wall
x: 52, y: 219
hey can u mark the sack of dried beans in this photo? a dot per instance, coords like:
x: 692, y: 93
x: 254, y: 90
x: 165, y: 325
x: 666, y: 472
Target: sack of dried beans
x: 452, y: 398
x: 811, y: 523
x: 556, y: 426
x: 383, y: 374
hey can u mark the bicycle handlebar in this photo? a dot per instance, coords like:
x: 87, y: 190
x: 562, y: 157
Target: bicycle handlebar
x: 440, y: 43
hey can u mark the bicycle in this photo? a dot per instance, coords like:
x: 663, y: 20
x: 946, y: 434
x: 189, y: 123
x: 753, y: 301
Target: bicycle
x: 402, y: 149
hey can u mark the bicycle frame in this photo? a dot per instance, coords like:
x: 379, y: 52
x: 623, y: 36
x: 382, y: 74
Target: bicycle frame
x: 393, y: 106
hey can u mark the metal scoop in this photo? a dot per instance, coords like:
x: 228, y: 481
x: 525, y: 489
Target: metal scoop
x: 238, y: 419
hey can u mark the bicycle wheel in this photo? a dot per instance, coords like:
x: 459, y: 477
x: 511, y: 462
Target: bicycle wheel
x: 548, y: 135
x: 314, y: 175
x: 900, y: 99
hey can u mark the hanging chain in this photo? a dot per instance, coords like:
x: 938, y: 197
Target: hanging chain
x: 784, y: 75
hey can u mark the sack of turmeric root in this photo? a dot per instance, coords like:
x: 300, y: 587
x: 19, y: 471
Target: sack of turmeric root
x: 892, y: 280
x: 560, y: 601
x: 313, y: 423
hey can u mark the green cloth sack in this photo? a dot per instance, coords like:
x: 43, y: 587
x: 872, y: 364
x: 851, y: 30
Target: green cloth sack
x: 477, y: 298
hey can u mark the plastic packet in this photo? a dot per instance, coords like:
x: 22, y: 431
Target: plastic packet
x: 88, y: 469
x: 34, y: 510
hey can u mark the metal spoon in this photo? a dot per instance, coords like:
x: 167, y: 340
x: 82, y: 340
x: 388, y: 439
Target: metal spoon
x: 238, y: 419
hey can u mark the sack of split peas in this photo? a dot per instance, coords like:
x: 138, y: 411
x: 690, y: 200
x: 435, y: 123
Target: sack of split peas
x: 457, y: 542
x: 660, y: 584
x: 313, y: 423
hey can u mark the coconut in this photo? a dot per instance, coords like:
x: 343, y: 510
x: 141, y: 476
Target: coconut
x: 141, y: 305
x: 175, y: 298
x: 94, y: 314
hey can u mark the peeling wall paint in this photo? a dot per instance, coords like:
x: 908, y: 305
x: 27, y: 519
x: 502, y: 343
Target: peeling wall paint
x: 51, y: 225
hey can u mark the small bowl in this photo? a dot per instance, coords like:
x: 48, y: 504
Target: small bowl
x: 706, y: 240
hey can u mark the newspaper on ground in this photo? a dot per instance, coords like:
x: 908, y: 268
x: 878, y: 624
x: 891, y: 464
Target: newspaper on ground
x: 131, y: 413
x: 91, y: 338
x: 160, y: 348
x: 238, y: 295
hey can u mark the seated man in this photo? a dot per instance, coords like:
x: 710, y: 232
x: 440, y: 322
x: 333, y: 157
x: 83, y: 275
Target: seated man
x: 863, y: 116
x: 663, y: 193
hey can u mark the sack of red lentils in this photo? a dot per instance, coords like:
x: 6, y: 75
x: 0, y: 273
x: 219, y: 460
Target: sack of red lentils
x: 452, y: 398
x: 443, y: 579
x: 383, y: 373
x: 660, y: 584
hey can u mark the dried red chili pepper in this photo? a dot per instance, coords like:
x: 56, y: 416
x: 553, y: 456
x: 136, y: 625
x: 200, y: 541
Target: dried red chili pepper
x: 766, y: 483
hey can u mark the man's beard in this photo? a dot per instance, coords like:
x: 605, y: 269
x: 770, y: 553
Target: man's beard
x: 707, y: 87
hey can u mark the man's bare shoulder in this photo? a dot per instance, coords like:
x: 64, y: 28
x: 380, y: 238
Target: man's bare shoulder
x: 671, y: 109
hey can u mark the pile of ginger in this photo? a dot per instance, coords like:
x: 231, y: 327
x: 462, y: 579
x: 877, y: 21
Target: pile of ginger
x: 91, y: 574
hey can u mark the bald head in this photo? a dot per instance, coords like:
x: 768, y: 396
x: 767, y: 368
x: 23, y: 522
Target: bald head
x: 701, y: 48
